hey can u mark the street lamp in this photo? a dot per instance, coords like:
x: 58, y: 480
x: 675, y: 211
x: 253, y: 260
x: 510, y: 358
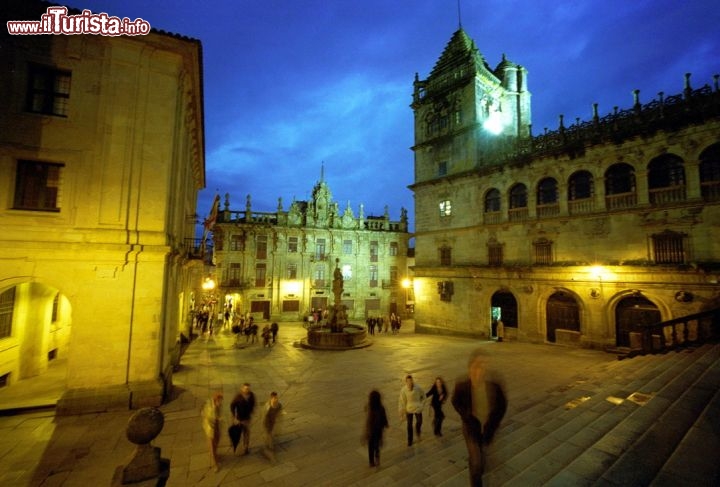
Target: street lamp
x: 407, y: 284
x: 208, y: 285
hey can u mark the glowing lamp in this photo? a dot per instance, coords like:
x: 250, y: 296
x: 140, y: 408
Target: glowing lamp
x: 494, y: 123
x: 292, y: 287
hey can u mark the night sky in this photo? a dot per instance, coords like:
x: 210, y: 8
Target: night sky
x: 293, y: 84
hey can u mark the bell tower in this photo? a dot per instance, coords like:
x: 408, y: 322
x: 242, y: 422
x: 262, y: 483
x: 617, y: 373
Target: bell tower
x: 465, y: 111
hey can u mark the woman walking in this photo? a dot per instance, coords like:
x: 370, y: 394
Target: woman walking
x: 375, y: 425
x: 438, y: 393
x: 211, y: 425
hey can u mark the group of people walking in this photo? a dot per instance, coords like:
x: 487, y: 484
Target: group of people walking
x: 249, y: 329
x: 479, y: 399
x: 242, y: 408
x: 380, y: 325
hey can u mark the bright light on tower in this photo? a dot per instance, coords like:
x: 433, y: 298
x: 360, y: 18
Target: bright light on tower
x: 494, y: 123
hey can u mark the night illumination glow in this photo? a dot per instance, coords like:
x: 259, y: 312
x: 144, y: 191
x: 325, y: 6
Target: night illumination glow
x: 494, y: 123
x: 292, y: 287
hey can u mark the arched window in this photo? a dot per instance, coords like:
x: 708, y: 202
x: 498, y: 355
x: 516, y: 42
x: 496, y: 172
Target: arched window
x: 710, y: 173
x: 580, y: 186
x: 620, y: 186
x: 580, y: 193
x: 666, y: 180
x: 518, y: 196
x: 492, y: 201
x: 547, y: 192
x: 547, y: 198
x: 518, y: 203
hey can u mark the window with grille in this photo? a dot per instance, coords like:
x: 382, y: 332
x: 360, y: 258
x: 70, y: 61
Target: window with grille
x: 495, y: 254
x: 7, y: 306
x: 48, y: 90
x: 347, y: 247
x: 261, y: 247
x: 260, y: 274
x: 37, y: 186
x: 445, y: 256
x: 374, y: 251
x: 237, y: 242
x: 292, y: 245
x: 543, y: 251
x: 668, y: 247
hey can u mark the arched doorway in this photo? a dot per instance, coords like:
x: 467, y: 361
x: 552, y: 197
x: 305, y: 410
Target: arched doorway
x: 563, y: 312
x: 35, y: 325
x: 503, y: 306
x: 631, y: 312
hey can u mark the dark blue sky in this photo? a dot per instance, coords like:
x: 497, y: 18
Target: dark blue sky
x: 292, y: 83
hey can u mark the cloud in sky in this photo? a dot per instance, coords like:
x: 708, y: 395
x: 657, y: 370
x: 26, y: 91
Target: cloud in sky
x: 290, y: 83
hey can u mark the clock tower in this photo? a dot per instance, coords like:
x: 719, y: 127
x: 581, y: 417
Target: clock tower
x: 465, y: 110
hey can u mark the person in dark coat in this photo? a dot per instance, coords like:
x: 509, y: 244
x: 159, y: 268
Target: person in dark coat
x: 274, y: 330
x: 242, y: 407
x: 481, y: 404
x: 375, y: 425
x: 438, y: 394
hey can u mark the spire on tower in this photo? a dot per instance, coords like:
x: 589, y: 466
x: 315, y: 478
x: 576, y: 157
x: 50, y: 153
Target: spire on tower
x: 459, y: 15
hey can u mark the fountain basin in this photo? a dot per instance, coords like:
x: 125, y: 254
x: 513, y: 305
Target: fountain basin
x: 323, y: 338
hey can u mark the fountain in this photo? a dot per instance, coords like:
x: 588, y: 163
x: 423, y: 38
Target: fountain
x: 337, y: 333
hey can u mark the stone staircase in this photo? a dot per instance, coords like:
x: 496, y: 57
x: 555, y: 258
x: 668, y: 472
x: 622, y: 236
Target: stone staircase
x: 649, y: 421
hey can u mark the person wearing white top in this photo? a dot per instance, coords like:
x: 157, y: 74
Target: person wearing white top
x: 411, y: 403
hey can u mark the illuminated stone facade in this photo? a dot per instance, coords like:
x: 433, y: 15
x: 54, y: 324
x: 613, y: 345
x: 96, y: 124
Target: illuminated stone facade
x: 101, y: 159
x: 279, y: 265
x: 574, y: 236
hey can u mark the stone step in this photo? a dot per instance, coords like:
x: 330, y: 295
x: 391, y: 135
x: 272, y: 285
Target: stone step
x: 546, y: 443
x: 688, y: 464
x: 627, y: 449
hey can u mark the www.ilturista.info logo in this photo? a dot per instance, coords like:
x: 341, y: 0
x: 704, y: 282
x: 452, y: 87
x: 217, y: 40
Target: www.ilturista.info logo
x: 57, y: 21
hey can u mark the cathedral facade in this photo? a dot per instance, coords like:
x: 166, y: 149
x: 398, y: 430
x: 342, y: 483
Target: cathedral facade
x: 576, y: 236
x: 279, y: 265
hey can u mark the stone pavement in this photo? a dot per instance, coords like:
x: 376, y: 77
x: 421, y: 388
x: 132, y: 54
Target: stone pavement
x: 318, y: 437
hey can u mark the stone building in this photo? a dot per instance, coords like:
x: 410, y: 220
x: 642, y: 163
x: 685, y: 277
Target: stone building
x: 574, y: 236
x: 279, y: 265
x: 101, y: 160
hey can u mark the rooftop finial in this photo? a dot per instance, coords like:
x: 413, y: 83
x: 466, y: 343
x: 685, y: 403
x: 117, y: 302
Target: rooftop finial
x: 322, y: 171
x: 459, y: 16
